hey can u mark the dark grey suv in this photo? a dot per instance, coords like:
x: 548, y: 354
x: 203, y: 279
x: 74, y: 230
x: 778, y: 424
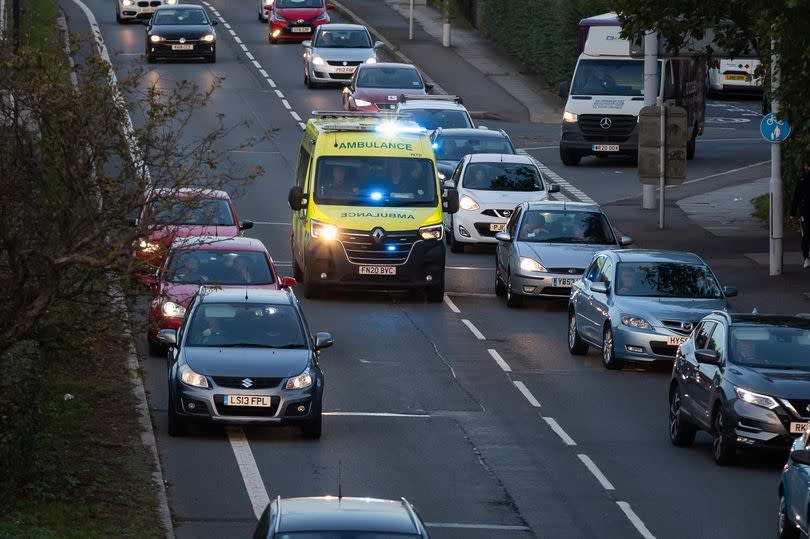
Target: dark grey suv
x: 245, y: 356
x: 743, y: 378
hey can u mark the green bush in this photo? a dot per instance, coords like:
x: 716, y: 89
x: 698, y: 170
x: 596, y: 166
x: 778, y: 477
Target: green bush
x: 20, y: 392
x: 541, y: 33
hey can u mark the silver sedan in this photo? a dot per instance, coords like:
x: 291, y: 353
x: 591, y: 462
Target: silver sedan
x: 546, y: 246
x: 335, y: 51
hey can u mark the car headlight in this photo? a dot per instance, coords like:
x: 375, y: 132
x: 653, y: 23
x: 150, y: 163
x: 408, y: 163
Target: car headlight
x: 432, y: 232
x: 569, y: 117
x: 635, y: 322
x: 371, y: 60
x: 126, y: 3
x: 302, y: 381
x: 171, y: 2
x: 317, y: 60
x: 467, y: 203
x: 279, y: 18
x: 530, y: 264
x: 323, y: 17
x: 362, y: 102
x: 155, y: 39
x: 208, y: 38
x: 757, y: 399
x: 171, y: 309
x: 148, y: 246
x: 324, y: 231
x: 191, y: 378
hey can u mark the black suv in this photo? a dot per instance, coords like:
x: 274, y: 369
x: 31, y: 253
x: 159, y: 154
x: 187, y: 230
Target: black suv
x: 743, y: 378
x: 451, y: 145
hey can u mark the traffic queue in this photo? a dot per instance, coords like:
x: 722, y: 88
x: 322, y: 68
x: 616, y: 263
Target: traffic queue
x: 382, y: 189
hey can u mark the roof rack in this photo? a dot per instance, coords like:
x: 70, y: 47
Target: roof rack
x: 351, y: 114
x: 427, y: 97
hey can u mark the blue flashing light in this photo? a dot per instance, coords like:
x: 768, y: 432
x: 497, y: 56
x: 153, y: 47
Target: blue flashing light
x: 392, y: 247
x: 434, y: 146
x: 376, y: 195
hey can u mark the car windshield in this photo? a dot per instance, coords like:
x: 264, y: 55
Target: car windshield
x: 389, y: 77
x: 771, y: 347
x: 343, y: 39
x: 432, y: 119
x: 666, y: 280
x: 219, y: 266
x: 299, y: 3
x: 375, y: 181
x: 454, y: 148
x: 249, y: 325
x: 542, y: 226
x: 345, y: 535
x: 180, y: 16
x: 210, y: 211
x: 610, y: 77
x: 502, y: 177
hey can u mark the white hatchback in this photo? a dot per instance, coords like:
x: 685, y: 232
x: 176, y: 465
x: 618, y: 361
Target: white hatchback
x: 489, y: 187
x: 130, y: 10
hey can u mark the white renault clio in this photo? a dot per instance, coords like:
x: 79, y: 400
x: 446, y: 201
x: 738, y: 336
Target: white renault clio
x: 489, y: 187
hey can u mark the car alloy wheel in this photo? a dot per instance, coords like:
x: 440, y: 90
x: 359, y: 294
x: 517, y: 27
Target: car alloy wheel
x: 723, y: 449
x: 681, y: 432
x: 576, y: 346
x: 609, y: 359
x: 784, y: 527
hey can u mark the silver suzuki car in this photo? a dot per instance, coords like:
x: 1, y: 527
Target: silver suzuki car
x: 335, y: 51
x: 641, y: 305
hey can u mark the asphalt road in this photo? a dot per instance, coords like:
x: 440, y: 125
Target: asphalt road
x: 474, y: 412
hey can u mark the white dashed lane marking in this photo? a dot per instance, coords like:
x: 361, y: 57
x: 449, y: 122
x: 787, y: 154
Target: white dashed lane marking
x: 526, y: 393
x: 451, y: 305
x: 597, y: 473
x: 473, y: 329
x: 501, y: 363
x: 633, y: 518
x: 558, y: 430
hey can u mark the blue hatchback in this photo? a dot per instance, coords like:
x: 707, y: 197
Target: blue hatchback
x: 794, y: 491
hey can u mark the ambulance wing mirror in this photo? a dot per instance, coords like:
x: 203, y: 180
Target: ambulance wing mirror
x: 296, y: 198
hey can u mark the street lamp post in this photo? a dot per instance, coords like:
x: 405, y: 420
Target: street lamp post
x: 446, y: 24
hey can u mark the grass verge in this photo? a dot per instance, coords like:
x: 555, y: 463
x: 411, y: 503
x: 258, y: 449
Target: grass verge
x: 762, y: 207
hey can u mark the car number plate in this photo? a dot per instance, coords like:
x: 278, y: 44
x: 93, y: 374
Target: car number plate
x: 182, y: 47
x: 300, y: 29
x: 736, y: 77
x: 564, y: 281
x: 676, y: 341
x: 378, y: 270
x: 497, y: 227
x: 605, y: 147
x: 257, y: 401
x: 349, y: 69
x: 798, y: 428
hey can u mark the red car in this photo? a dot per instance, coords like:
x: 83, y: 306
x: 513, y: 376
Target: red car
x: 207, y: 260
x: 174, y: 213
x: 378, y: 87
x: 295, y: 19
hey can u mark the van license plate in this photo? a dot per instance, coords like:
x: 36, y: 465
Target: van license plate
x: 605, y: 147
x: 257, y: 401
x: 497, y: 227
x: 183, y: 47
x: 798, y: 428
x: 676, y: 341
x: 736, y: 77
x: 378, y: 270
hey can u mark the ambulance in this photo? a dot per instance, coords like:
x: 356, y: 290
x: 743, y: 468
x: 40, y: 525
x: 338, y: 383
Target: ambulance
x: 367, y: 206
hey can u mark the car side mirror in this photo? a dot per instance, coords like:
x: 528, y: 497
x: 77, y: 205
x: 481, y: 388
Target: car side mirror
x: 288, y: 282
x: 307, y: 43
x: 485, y: 128
x: 800, y: 456
x: 214, y: 22
x: 330, y: 5
x: 245, y: 225
x: 600, y: 287
x: 730, y: 291
x: 565, y: 89
x: 428, y: 87
x: 707, y: 356
x: 296, y: 198
x: 553, y: 188
x: 378, y: 44
x: 450, y: 204
x: 167, y: 336
x: 503, y: 236
x: 625, y: 241
x: 323, y: 340
x: 449, y: 184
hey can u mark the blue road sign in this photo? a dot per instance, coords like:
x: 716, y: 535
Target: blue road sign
x: 774, y: 130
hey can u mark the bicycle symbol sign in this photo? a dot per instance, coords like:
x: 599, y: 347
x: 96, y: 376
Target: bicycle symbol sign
x: 774, y: 130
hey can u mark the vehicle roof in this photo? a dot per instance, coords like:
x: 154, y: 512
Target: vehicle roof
x: 237, y: 243
x: 557, y: 205
x: 342, y: 26
x: 188, y: 192
x: 332, y: 513
x: 253, y: 295
x: 470, y: 132
x: 654, y: 255
x: 431, y: 104
x: 500, y: 157
x: 195, y: 6
x: 769, y: 320
x: 380, y: 65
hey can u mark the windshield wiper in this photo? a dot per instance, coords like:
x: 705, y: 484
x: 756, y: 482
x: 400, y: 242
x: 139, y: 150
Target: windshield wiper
x: 245, y: 345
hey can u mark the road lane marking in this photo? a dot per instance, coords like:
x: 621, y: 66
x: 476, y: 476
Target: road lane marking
x: 271, y: 82
x: 502, y: 363
x: 256, y: 64
x: 244, y: 47
x: 280, y: 94
x: 375, y: 414
x: 732, y: 171
x: 302, y: 125
x: 471, y: 294
x: 286, y: 104
x: 494, y: 527
x: 450, y: 304
x: 251, y: 476
x: 564, y: 184
x: 471, y: 327
x: 295, y: 116
x: 226, y: 25
x: 238, y: 40
x: 635, y: 520
x: 264, y: 73
x: 567, y: 440
x: 526, y: 393
x: 597, y: 473
x: 251, y: 57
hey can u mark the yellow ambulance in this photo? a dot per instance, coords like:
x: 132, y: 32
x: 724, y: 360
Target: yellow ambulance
x: 367, y: 206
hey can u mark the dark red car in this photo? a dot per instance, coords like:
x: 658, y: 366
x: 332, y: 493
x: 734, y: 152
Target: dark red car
x: 211, y: 261
x: 378, y: 87
x: 176, y: 213
x: 295, y: 19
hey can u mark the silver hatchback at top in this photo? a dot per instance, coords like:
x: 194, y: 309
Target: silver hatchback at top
x: 335, y: 51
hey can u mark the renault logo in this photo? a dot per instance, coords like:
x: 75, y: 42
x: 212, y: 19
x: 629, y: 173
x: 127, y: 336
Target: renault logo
x: 378, y: 234
x: 182, y: 40
x: 247, y: 383
x: 605, y: 123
